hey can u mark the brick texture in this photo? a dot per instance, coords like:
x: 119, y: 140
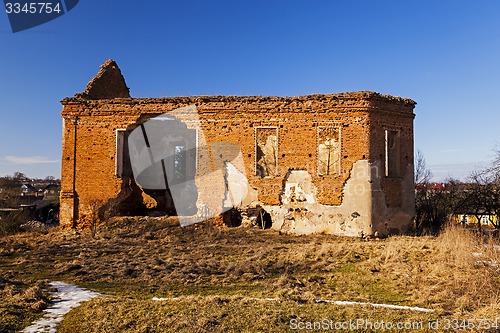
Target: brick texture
x: 360, y: 119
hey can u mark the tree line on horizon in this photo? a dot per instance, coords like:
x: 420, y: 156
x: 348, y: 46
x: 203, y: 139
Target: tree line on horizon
x: 478, y: 196
x: 19, y: 178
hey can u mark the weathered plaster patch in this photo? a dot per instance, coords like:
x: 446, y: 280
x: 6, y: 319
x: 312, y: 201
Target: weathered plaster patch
x: 298, y: 188
x: 363, y: 210
x: 351, y: 218
x: 236, y: 185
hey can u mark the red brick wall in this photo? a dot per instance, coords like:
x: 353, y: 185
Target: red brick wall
x: 362, y: 118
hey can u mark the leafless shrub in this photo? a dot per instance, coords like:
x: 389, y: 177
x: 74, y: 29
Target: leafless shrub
x: 422, y: 174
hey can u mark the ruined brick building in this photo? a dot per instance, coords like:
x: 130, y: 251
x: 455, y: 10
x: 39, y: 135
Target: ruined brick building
x: 333, y: 163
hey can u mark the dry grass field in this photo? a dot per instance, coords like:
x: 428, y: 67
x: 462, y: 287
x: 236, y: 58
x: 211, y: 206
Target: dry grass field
x: 217, y: 280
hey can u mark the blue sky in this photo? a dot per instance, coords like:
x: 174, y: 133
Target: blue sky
x: 443, y: 54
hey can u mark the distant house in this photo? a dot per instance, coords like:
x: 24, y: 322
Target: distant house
x: 28, y: 189
x: 51, y: 191
x: 29, y: 194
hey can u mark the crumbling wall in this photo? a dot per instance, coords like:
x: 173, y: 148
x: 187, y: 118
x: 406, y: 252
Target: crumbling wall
x: 334, y: 143
x: 391, y: 137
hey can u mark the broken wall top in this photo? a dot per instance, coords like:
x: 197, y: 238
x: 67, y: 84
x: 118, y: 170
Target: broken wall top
x: 359, y: 95
x: 311, y: 104
x: 107, y: 84
x: 109, y: 87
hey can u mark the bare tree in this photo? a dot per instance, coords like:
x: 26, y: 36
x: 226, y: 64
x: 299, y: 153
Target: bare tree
x: 433, y: 205
x: 481, y: 197
x: 495, y: 168
x: 422, y: 174
x: 495, y: 189
x: 21, y: 177
x: 493, y: 205
x: 94, y: 219
x: 476, y: 196
x: 9, y: 182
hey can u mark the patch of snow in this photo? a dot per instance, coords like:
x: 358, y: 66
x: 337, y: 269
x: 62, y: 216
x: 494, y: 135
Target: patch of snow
x: 388, y: 306
x: 67, y: 296
x: 495, y: 247
x: 165, y: 299
x: 487, y: 263
x: 263, y: 299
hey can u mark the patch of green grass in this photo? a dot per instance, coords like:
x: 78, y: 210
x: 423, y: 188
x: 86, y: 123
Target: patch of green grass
x: 384, y: 292
x: 349, y: 268
x: 139, y: 290
x: 354, y: 282
x: 227, y: 314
